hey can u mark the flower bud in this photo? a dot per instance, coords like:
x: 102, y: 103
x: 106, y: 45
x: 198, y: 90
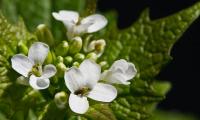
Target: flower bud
x: 22, y: 48
x: 68, y: 60
x: 92, y: 56
x: 62, y: 48
x: 44, y: 34
x: 97, y: 46
x: 49, y: 58
x: 75, y: 45
x: 60, y: 99
x: 61, y: 68
x: 59, y: 59
x: 76, y: 64
x: 22, y: 81
x: 79, y: 57
x: 104, y: 65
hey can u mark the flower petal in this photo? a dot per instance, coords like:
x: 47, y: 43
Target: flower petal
x: 38, y: 52
x: 39, y: 83
x: 96, y: 22
x: 103, y: 92
x: 131, y: 71
x: 65, y: 15
x: 21, y: 64
x: 49, y: 71
x: 91, y: 72
x: 114, y: 77
x: 78, y: 104
x: 119, y: 64
x: 74, y: 79
x: 69, y: 18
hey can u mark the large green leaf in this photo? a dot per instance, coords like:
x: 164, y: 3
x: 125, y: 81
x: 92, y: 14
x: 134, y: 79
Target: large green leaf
x: 146, y: 43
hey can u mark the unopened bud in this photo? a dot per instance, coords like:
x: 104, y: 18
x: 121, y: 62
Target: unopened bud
x: 22, y: 48
x: 62, y: 48
x: 59, y: 59
x: 60, y: 99
x: 104, y: 65
x: 22, y: 81
x: 44, y: 34
x: 79, y: 57
x: 68, y: 60
x: 75, y: 45
x: 76, y: 64
x: 97, y: 46
x: 49, y: 58
x: 61, y: 68
x: 92, y: 56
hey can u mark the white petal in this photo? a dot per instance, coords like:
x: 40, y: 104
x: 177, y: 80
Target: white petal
x: 49, y: 71
x: 21, y: 64
x: 78, y: 104
x: 103, y: 92
x: 131, y: 71
x: 74, y: 79
x: 114, y: 77
x: 80, y: 29
x: 96, y: 22
x: 39, y: 83
x: 64, y: 15
x: 91, y: 72
x: 69, y: 19
x: 119, y: 64
x: 38, y: 52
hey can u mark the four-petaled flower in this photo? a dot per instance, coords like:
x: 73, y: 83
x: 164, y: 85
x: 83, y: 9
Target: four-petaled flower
x: 31, y: 66
x: 120, y: 72
x: 76, y: 26
x: 83, y: 82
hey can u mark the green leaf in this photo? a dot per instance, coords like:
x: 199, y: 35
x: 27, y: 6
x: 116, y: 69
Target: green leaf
x: 163, y: 115
x: 100, y: 112
x: 147, y: 43
x: 33, y: 11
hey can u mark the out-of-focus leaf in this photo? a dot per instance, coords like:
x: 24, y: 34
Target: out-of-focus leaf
x: 173, y: 115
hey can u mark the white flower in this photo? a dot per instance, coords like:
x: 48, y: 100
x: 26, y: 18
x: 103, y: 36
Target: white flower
x: 75, y: 26
x: 83, y: 82
x: 120, y: 72
x: 31, y: 66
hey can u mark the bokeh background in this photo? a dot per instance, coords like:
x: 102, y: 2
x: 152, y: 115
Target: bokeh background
x: 184, y: 70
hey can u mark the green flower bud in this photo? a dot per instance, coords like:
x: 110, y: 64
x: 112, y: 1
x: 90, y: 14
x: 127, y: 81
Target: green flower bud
x: 62, y: 48
x: 49, y: 58
x: 61, y: 68
x: 59, y: 59
x: 76, y: 64
x: 79, y: 57
x: 44, y: 34
x: 92, y: 56
x: 22, y: 48
x: 22, y: 81
x: 68, y: 60
x: 75, y: 45
x: 60, y: 99
x: 104, y: 65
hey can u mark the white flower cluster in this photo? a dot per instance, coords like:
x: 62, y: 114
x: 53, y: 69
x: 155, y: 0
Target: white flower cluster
x: 86, y: 81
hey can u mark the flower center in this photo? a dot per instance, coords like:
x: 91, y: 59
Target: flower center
x: 37, y: 70
x: 82, y: 92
